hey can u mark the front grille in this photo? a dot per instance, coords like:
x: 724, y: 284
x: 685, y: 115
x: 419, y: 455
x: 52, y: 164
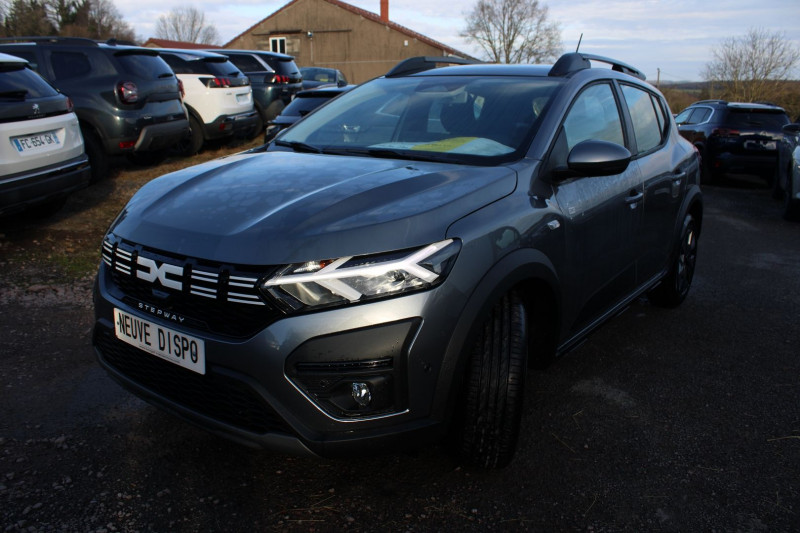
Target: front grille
x: 214, y: 297
x: 216, y: 396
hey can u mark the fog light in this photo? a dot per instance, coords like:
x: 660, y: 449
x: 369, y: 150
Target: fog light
x: 362, y: 394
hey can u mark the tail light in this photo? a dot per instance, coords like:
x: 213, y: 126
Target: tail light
x: 128, y: 92
x: 70, y: 105
x: 725, y: 132
x: 216, y: 83
x: 180, y: 89
x: 280, y: 78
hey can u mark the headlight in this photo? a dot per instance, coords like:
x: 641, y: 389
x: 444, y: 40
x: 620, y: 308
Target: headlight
x: 357, y: 278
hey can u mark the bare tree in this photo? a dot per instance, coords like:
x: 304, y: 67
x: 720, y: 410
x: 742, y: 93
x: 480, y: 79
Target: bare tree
x: 186, y: 24
x: 26, y: 17
x: 513, y: 31
x: 752, y: 68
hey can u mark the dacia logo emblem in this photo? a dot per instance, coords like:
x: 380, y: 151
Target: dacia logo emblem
x: 36, y: 110
x: 165, y: 273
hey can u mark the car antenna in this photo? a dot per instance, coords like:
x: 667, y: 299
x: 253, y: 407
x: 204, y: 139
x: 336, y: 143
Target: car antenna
x: 579, y: 43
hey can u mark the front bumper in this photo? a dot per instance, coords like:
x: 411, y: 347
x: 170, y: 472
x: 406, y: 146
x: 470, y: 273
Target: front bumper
x: 283, y: 388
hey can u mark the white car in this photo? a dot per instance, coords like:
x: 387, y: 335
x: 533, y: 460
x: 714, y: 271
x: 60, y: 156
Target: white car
x: 217, y: 96
x: 42, y: 156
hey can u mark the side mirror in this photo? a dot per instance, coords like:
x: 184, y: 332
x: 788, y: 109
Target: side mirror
x: 791, y: 129
x: 598, y: 158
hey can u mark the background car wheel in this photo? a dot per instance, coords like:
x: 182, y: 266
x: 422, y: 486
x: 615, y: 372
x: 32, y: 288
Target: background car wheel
x: 791, y: 206
x: 675, y: 286
x: 191, y: 144
x: 98, y: 158
x: 494, y: 386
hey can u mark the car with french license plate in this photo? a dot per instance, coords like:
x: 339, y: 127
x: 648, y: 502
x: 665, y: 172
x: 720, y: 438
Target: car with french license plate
x: 42, y: 157
x: 217, y: 95
x: 396, y: 267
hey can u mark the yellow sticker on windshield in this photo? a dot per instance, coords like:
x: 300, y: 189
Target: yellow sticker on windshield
x: 445, y: 145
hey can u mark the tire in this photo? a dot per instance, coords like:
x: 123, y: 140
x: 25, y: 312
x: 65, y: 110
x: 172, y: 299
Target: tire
x: 191, y: 144
x: 98, y: 158
x: 494, y: 386
x: 675, y: 286
x: 791, y: 206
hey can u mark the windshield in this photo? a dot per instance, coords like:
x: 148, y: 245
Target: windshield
x: 480, y: 120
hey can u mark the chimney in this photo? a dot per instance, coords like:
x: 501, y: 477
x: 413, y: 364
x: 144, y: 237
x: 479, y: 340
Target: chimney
x: 384, y: 10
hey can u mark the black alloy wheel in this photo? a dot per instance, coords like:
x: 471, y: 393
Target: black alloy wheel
x: 675, y: 286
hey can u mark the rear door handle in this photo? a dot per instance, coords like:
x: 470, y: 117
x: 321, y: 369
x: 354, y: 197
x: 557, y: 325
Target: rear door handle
x: 634, y: 198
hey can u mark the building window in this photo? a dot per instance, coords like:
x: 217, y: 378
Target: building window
x: 278, y: 44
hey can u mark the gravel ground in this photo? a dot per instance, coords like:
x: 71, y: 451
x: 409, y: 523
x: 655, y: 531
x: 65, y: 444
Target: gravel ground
x: 664, y: 420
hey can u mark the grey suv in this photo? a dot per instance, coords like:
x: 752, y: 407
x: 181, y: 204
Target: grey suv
x: 126, y: 97
x: 417, y: 249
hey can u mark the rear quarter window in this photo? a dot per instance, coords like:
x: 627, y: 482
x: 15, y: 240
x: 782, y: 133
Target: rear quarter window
x: 143, y: 65
x: 247, y: 63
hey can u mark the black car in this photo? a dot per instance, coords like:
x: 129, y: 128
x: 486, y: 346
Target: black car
x: 275, y: 79
x: 126, y: 97
x: 787, y: 179
x: 734, y: 136
x: 317, y: 76
x: 303, y: 104
x: 397, y: 265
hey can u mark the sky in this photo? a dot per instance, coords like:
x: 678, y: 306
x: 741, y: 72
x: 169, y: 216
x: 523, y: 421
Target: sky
x: 668, y: 40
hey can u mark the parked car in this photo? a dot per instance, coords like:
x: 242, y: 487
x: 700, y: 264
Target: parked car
x: 41, y: 148
x: 734, y: 136
x: 303, y: 104
x: 316, y: 76
x: 787, y: 180
x: 218, y: 96
x: 412, y: 247
x: 126, y: 98
x: 275, y: 79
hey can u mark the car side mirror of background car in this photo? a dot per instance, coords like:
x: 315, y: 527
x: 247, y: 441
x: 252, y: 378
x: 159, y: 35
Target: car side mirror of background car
x: 598, y: 158
x: 791, y: 129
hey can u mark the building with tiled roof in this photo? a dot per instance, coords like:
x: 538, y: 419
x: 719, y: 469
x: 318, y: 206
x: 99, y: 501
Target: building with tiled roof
x: 334, y: 34
x: 166, y: 43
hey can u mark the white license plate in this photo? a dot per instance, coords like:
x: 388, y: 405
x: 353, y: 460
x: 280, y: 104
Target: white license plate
x: 168, y: 344
x: 242, y: 98
x: 33, y: 143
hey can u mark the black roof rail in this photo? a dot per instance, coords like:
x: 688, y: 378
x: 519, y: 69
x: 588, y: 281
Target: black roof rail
x: 711, y: 101
x: 412, y: 65
x: 54, y: 39
x: 114, y: 42
x: 573, y: 62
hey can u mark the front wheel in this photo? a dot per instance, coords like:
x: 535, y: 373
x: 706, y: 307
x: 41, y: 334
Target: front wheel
x: 675, y: 286
x: 494, y: 386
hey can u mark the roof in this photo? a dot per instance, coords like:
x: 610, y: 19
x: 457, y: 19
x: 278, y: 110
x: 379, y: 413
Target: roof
x: 166, y: 43
x: 369, y: 16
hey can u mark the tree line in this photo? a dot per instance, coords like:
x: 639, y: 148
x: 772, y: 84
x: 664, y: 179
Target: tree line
x: 93, y: 19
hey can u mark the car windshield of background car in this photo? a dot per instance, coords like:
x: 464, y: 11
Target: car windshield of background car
x: 471, y: 117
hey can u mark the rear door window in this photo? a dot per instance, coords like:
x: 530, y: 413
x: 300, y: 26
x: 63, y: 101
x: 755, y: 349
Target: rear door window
x: 647, y: 127
x: 70, y: 65
x: 143, y: 65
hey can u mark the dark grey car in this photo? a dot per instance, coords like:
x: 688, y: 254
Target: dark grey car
x: 399, y: 263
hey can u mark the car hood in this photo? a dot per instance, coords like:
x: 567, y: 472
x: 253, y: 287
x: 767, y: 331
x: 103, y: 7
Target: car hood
x: 286, y: 207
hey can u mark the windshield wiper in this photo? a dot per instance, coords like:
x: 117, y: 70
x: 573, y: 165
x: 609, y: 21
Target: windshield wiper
x: 298, y: 146
x: 388, y: 153
x: 19, y: 94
